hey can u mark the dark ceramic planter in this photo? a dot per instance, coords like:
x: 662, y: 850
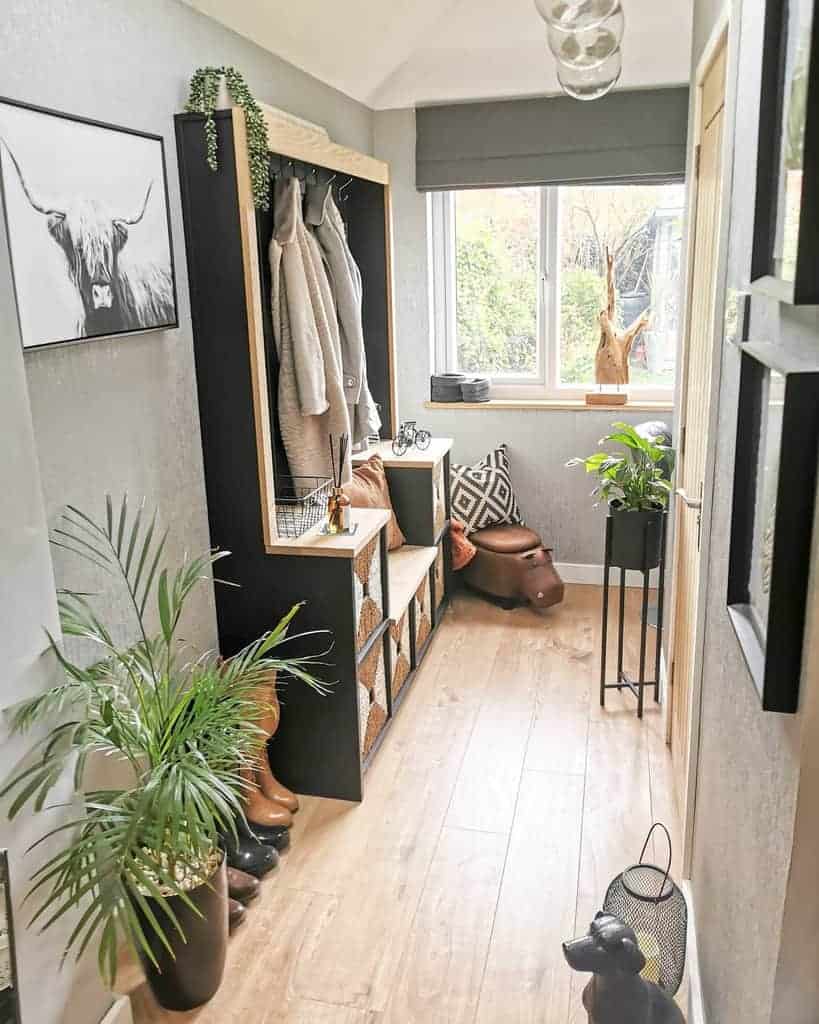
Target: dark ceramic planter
x: 192, y: 976
x: 636, y: 537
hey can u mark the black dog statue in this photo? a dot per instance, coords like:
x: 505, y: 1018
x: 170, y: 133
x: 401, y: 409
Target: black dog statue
x: 617, y: 994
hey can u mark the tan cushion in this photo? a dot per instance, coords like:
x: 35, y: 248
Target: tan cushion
x: 369, y: 489
x: 508, y: 539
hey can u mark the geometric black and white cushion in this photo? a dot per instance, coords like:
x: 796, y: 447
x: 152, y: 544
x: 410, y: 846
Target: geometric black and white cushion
x: 482, y: 494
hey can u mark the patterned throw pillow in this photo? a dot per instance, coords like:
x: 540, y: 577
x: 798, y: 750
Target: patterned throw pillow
x: 482, y: 494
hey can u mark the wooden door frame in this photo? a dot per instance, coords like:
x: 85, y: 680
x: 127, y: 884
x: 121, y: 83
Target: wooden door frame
x: 721, y: 36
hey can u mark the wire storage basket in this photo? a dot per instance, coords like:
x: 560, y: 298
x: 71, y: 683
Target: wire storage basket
x: 301, y: 503
x: 648, y: 899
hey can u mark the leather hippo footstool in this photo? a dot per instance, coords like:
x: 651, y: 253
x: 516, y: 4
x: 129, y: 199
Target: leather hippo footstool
x: 513, y: 567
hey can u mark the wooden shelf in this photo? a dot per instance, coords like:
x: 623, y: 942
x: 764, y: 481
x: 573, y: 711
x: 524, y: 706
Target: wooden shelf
x: 414, y: 459
x: 298, y: 139
x: 370, y: 521
x: 407, y: 567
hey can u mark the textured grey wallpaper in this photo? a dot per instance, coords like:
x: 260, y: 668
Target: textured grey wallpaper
x: 28, y: 607
x: 554, y: 500
x: 121, y: 415
x: 107, y: 415
x: 749, y: 762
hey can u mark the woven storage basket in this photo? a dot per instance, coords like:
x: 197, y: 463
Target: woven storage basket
x: 475, y: 389
x: 446, y: 387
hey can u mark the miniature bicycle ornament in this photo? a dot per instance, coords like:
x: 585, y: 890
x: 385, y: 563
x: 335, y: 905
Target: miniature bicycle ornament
x: 408, y: 436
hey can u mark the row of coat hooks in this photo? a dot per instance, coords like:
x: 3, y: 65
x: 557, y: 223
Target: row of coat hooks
x: 284, y: 167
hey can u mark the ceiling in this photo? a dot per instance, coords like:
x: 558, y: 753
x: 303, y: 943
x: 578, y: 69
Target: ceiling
x: 409, y: 52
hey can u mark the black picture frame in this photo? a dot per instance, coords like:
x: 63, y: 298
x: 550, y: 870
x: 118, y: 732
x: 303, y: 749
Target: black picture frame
x: 167, y: 316
x: 772, y: 517
x: 785, y: 256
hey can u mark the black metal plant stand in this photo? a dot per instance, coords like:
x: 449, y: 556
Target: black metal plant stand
x: 636, y: 686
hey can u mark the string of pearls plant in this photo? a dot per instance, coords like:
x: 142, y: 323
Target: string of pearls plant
x: 204, y: 90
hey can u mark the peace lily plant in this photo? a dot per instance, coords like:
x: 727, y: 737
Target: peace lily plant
x: 636, y: 480
x: 183, y: 724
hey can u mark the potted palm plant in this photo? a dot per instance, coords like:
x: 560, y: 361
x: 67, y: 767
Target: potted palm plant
x: 636, y: 484
x: 144, y: 865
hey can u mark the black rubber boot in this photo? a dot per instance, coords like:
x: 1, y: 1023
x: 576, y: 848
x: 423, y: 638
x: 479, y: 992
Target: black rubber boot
x: 270, y: 835
x: 249, y: 855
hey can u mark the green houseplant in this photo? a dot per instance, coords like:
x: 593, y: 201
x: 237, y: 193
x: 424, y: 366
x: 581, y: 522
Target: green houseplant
x: 202, y: 99
x: 180, y: 724
x: 636, y: 483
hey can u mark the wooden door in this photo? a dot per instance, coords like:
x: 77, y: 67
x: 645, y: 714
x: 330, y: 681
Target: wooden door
x: 696, y: 390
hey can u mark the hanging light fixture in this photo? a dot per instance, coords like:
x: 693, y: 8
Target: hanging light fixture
x: 585, y: 38
x: 591, y: 83
x: 587, y: 47
x: 575, y: 14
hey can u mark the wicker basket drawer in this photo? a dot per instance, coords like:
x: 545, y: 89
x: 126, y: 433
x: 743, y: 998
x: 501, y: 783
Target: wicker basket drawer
x: 372, y: 696
x: 400, y: 640
x: 439, y: 577
x: 422, y: 604
x: 438, y: 497
x: 369, y: 597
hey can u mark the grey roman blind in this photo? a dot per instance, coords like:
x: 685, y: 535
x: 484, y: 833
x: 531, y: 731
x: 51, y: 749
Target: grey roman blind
x: 624, y: 137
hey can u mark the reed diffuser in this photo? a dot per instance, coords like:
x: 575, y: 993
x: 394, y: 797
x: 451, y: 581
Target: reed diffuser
x: 338, y: 504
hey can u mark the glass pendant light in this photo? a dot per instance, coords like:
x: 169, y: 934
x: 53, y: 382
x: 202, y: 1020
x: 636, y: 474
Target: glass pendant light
x: 588, y: 47
x: 591, y: 83
x: 573, y: 15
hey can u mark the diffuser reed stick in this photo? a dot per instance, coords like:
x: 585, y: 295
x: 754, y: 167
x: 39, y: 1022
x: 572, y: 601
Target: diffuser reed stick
x: 338, y: 505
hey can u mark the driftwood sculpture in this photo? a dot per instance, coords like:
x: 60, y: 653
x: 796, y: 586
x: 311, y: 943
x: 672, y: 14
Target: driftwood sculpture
x: 616, y: 993
x: 611, y: 358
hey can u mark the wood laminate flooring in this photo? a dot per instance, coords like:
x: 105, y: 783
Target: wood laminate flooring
x: 496, y: 812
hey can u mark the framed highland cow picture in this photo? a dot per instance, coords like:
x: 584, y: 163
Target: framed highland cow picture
x: 88, y: 226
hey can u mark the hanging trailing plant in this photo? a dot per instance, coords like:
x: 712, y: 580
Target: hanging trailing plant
x: 202, y: 100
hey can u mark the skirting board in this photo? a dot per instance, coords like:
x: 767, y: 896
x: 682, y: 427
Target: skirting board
x: 120, y: 1012
x: 592, y: 575
x: 696, y: 1007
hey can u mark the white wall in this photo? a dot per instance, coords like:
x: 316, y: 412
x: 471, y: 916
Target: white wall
x: 554, y: 500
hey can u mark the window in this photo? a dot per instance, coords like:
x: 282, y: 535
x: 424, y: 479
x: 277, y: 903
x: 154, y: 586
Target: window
x: 518, y: 277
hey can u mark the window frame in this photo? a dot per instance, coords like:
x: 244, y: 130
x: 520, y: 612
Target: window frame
x: 545, y: 383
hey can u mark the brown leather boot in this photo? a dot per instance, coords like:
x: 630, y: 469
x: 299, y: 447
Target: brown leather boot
x: 242, y: 886
x: 259, y: 810
x: 267, y: 697
x: 236, y: 914
x: 273, y: 789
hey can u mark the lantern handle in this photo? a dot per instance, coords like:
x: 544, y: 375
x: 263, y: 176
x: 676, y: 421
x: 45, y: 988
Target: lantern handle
x: 659, y: 824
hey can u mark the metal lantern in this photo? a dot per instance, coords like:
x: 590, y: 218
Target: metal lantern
x: 647, y: 898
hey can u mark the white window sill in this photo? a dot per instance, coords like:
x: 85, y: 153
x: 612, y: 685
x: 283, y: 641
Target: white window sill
x: 567, y: 404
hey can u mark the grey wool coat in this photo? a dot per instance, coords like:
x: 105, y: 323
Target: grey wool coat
x: 322, y: 216
x: 311, y: 398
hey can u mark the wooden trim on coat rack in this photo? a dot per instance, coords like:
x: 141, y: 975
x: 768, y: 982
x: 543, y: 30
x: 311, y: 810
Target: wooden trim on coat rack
x: 391, y: 360
x: 298, y: 140
x: 255, y: 330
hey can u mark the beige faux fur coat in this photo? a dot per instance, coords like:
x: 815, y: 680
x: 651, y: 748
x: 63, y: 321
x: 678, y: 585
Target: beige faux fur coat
x: 311, y: 399
x: 323, y: 218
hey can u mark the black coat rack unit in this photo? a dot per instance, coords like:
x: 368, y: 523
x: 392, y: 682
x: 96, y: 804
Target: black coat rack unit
x: 378, y: 608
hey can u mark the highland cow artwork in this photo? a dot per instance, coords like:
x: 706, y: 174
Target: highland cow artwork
x: 88, y: 227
